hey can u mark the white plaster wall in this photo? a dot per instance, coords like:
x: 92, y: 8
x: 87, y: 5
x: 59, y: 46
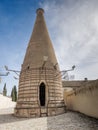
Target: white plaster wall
x: 84, y: 100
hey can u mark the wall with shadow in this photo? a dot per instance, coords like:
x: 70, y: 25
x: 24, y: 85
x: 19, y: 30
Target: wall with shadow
x: 84, y: 99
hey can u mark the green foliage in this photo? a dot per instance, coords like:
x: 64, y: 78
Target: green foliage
x: 4, y: 90
x: 14, y: 93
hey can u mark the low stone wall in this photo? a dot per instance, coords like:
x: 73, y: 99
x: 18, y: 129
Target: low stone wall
x: 75, y: 83
x: 84, y: 99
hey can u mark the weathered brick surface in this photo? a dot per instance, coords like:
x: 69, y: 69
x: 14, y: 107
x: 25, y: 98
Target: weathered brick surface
x: 36, y: 71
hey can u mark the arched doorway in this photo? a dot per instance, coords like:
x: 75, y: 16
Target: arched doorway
x: 42, y: 94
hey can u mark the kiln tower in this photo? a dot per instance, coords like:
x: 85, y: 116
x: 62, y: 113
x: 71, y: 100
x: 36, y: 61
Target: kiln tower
x: 40, y: 86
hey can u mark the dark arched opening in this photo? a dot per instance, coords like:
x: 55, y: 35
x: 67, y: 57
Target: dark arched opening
x: 42, y: 94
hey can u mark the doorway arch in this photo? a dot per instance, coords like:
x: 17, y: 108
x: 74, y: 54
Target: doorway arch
x: 42, y: 94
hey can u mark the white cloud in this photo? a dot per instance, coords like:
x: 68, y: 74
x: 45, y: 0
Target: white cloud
x: 73, y: 27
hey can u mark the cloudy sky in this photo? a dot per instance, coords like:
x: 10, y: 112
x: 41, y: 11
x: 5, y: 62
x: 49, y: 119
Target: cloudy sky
x: 73, y: 28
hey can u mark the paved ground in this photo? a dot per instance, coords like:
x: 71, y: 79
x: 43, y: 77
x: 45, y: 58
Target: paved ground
x: 67, y: 121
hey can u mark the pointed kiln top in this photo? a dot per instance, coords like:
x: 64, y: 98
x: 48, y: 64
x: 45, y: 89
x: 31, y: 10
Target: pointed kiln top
x: 40, y: 45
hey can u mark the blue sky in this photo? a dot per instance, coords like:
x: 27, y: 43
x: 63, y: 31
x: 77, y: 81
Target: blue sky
x: 16, y: 23
x: 73, y: 28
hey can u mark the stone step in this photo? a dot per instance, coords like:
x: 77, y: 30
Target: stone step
x: 43, y: 114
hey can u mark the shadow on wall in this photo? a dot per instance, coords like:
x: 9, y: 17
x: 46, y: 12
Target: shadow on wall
x: 84, y: 99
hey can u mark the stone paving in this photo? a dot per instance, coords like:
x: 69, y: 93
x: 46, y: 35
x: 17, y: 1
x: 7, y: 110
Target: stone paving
x: 67, y: 121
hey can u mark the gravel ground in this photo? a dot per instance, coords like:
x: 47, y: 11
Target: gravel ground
x: 67, y: 121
